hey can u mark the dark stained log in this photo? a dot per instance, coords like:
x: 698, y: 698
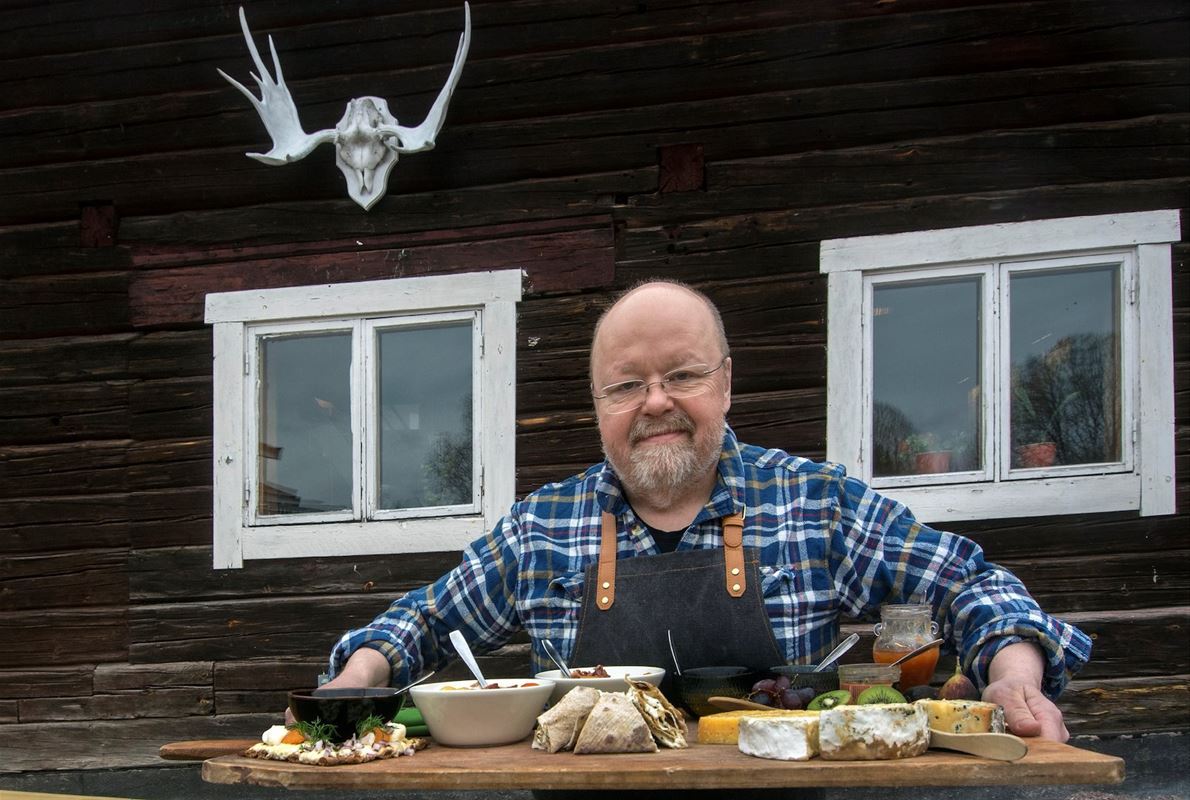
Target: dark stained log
x: 54, y: 249
x: 118, y: 743
x: 64, y: 305
x: 70, y: 579
x: 8, y: 711
x: 184, y: 573
x: 109, y: 530
x: 111, y: 678
x: 30, y: 362
x: 65, y: 636
x: 67, y: 468
x: 1127, y: 706
x: 45, y: 682
x: 1145, y: 642
x: 65, y: 412
x: 98, y: 224
x: 170, y: 463
x: 682, y: 168
x: 553, y: 261
x: 258, y: 674
x: 171, y: 702
x: 171, y: 354
x: 170, y: 517
x: 1095, y: 583
x: 171, y: 407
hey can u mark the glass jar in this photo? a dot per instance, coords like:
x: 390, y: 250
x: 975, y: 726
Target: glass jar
x: 903, y: 628
x: 857, y: 677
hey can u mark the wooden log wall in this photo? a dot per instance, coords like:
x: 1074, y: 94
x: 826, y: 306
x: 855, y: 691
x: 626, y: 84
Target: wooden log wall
x: 591, y: 143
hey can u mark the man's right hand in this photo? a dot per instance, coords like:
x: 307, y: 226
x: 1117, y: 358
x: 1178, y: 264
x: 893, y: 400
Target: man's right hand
x: 365, y: 668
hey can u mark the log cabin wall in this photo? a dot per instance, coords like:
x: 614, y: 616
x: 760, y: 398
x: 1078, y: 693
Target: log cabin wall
x: 592, y: 144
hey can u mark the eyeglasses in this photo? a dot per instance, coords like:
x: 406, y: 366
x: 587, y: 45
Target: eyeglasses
x: 688, y: 381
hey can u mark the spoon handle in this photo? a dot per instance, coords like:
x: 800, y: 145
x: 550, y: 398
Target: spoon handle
x: 556, y: 657
x: 838, y: 652
x: 916, y: 651
x: 464, y: 651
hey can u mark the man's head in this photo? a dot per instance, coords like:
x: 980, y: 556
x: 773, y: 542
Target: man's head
x: 668, y: 445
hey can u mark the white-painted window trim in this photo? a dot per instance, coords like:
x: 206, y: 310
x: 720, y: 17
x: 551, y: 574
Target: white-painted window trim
x: 1142, y: 481
x: 487, y: 298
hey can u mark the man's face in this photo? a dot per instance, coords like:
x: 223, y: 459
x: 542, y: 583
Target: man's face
x: 667, y: 445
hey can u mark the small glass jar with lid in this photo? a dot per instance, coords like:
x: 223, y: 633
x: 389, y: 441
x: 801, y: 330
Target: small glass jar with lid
x: 857, y: 677
x: 905, y: 627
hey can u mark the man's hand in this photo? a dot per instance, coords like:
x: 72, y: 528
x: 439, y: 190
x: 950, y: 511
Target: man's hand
x: 365, y: 668
x: 1014, y: 681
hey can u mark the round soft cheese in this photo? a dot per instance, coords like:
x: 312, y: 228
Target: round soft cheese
x: 782, y: 738
x: 877, y: 731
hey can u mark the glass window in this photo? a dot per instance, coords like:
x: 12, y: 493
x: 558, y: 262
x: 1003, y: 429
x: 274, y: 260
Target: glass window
x: 424, y: 416
x: 370, y: 417
x: 1006, y: 370
x: 1065, y: 367
x: 926, y: 421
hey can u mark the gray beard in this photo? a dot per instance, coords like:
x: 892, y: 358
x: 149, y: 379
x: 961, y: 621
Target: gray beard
x: 664, y: 472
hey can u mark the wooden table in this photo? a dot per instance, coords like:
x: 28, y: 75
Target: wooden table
x: 517, y: 766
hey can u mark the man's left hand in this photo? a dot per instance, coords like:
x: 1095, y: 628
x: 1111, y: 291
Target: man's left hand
x: 1027, y: 712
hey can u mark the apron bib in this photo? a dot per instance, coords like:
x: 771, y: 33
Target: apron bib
x: 626, y: 613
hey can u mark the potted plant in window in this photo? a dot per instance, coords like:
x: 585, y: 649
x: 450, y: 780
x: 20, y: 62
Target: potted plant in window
x: 1036, y: 430
x: 929, y: 458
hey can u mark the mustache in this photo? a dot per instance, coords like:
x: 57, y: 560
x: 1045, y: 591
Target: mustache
x: 677, y: 422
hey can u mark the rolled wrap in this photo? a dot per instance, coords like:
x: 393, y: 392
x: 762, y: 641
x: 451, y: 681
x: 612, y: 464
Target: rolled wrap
x: 558, y: 728
x: 615, y: 726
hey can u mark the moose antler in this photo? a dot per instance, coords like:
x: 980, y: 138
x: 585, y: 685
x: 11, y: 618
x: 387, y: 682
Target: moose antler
x: 368, y: 138
x: 276, y: 109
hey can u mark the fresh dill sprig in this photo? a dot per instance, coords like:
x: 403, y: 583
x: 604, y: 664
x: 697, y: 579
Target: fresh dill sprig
x: 367, y: 724
x: 315, y: 731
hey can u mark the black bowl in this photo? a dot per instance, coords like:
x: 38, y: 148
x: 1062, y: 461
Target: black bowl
x: 695, y: 685
x: 345, y: 708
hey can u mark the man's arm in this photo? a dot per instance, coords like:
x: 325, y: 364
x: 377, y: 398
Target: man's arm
x: 1014, y: 682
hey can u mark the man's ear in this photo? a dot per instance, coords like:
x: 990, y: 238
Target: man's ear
x: 726, y: 384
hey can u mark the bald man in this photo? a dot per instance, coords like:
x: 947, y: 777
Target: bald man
x: 747, y: 555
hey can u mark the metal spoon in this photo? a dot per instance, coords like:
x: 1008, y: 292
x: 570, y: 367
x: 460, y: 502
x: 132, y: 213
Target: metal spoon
x: 556, y: 657
x: 464, y: 651
x: 916, y: 652
x: 838, y: 652
x: 672, y: 654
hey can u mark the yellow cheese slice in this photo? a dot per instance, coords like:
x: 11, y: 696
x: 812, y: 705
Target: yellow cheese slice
x: 724, y: 727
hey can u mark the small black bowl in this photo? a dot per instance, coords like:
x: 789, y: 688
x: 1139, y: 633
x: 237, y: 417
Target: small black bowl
x: 345, y: 708
x: 696, y: 685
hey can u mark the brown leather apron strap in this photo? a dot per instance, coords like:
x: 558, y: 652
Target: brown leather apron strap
x: 607, y: 564
x: 733, y: 559
x: 733, y: 554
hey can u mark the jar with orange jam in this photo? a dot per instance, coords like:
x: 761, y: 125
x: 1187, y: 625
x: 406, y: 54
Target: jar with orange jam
x: 902, y: 628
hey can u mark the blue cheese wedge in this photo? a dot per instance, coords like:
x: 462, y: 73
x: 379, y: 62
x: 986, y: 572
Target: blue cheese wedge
x: 781, y: 738
x: 876, y: 731
x: 964, y: 716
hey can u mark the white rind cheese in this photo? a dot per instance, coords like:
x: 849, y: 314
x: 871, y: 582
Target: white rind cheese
x: 964, y: 716
x: 782, y: 738
x: 876, y: 731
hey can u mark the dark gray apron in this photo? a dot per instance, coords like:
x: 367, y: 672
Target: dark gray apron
x: 687, y: 592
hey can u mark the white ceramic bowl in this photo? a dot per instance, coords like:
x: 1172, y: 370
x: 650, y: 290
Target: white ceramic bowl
x: 461, y: 717
x: 615, y: 683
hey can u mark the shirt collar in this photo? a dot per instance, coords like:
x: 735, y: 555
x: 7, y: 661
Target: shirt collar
x: 726, y: 498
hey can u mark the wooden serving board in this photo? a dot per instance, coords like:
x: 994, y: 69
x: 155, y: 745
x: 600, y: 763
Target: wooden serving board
x: 517, y: 766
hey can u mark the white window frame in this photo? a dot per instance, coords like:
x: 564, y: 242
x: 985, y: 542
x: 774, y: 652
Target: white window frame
x: 1144, y: 479
x: 487, y: 298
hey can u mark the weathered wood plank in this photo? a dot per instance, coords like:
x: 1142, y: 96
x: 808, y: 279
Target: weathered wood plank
x: 64, y: 305
x: 64, y: 468
x: 111, y: 678
x: 265, y: 673
x: 170, y: 517
x: 37, y: 536
x: 189, y: 701
x: 168, y: 464
x: 171, y: 408
x: 8, y: 711
x: 1126, y: 706
x: 170, y: 354
x: 553, y: 261
x: 65, y: 412
x: 65, y: 636
x: 45, y: 681
x: 70, y: 359
x: 183, y: 573
x: 69, y: 579
x: 116, y: 743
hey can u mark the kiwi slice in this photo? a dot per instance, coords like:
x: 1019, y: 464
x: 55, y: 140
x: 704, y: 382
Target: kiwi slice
x: 827, y: 700
x: 880, y: 694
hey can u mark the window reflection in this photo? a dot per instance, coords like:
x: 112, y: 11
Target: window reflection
x: 425, y: 416
x: 1065, y: 345
x: 305, y: 424
x: 926, y: 373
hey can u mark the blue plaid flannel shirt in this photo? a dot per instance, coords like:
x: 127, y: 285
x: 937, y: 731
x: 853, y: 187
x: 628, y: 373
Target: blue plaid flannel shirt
x: 828, y: 545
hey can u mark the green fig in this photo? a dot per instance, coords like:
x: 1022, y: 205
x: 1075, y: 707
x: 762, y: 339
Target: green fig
x: 958, y: 686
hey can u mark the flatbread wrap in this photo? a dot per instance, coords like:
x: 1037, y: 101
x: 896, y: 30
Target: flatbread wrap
x: 558, y: 728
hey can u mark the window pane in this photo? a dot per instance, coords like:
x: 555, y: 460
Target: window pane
x: 425, y: 416
x: 305, y: 424
x: 926, y: 373
x: 1065, y: 341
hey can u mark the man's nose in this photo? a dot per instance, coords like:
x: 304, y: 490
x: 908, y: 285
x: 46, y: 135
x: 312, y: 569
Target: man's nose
x: 657, y: 400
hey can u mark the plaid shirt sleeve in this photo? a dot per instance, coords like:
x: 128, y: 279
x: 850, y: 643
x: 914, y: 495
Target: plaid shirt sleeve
x: 881, y: 554
x: 476, y: 597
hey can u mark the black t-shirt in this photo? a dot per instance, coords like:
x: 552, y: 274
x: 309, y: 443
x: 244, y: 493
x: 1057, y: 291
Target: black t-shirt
x: 667, y: 541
